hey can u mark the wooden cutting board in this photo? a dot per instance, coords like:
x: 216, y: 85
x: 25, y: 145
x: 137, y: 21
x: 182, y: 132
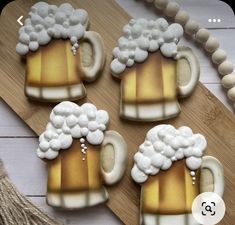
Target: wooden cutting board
x: 202, y: 112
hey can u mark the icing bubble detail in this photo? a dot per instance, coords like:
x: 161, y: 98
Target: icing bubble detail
x: 142, y: 36
x: 68, y: 121
x: 47, y: 21
x: 164, y: 145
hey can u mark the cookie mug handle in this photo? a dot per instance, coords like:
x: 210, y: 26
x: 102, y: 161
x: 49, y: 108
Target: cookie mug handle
x: 216, y: 169
x: 91, y: 71
x: 113, y: 157
x: 187, y: 54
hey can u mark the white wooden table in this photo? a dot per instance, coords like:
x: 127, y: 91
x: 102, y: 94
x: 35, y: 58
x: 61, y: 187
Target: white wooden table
x: 18, y: 143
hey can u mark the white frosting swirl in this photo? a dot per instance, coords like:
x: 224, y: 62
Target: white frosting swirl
x: 164, y: 145
x: 141, y: 36
x: 49, y: 21
x: 68, y: 121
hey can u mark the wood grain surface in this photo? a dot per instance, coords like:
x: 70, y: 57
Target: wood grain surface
x: 202, y: 112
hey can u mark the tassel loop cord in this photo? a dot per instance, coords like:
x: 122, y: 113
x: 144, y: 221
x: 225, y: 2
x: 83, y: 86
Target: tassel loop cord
x: 17, y: 209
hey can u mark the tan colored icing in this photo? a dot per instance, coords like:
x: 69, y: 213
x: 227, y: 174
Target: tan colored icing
x: 107, y: 158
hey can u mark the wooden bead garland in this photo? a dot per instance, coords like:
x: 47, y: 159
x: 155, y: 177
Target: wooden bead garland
x: 202, y: 35
x: 191, y: 27
x: 228, y: 81
x: 160, y: 4
x: 211, y: 45
x: 219, y: 56
x: 182, y: 17
x: 225, y: 68
x: 231, y: 94
x: 172, y: 9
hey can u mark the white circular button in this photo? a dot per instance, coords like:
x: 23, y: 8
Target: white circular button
x: 208, y: 208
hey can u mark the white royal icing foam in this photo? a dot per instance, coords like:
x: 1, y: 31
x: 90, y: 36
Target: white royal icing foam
x: 141, y: 36
x: 49, y: 21
x: 163, y: 146
x: 68, y: 121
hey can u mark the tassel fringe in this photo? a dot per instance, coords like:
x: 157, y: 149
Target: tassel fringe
x: 17, y: 209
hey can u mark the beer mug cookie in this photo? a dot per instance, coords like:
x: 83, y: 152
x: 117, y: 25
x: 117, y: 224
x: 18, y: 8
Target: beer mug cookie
x: 172, y: 172
x: 60, y: 53
x: 81, y: 155
x: 153, y: 69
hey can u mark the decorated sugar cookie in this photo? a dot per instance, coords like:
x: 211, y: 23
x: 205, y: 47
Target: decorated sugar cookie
x: 60, y: 52
x: 81, y: 155
x: 169, y: 167
x: 154, y: 70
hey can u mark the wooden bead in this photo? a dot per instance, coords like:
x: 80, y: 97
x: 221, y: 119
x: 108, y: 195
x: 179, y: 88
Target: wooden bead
x: 160, y: 4
x: 202, y: 35
x: 231, y: 94
x: 182, y: 17
x: 225, y: 68
x: 191, y: 27
x: 219, y: 56
x: 172, y: 9
x: 228, y: 81
x: 211, y: 45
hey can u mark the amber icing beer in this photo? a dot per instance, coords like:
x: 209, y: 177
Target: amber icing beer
x: 54, y: 73
x: 169, y: 195
x: 150, y: 90
x: 170, y: 192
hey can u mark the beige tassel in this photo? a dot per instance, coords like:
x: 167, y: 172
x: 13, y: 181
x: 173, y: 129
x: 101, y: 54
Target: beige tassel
x: 17, y: 209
